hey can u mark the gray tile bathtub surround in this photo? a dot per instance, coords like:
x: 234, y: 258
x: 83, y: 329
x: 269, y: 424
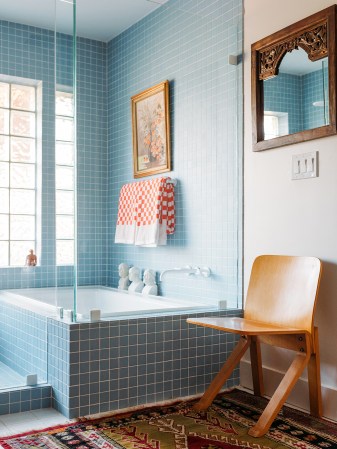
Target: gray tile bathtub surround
x: 25, y: 399
x: 111, y: 365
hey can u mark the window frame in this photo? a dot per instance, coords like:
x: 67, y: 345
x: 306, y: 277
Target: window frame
x: 35, y: 242
x: 64, y: 90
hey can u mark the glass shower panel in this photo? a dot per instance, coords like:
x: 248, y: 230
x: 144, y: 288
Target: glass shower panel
x: 206, y: 109
x: 65, y: 155
x: 27, y: 195
x: 185, y: 43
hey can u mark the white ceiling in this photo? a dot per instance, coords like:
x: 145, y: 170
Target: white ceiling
x: 96, y: 19
x: 298, y: 63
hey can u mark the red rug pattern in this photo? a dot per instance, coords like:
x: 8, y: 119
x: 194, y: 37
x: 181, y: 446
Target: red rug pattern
x: 224, y: 425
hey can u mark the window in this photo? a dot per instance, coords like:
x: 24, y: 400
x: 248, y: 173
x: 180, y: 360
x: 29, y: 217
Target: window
x: 64, y: 177
x: 18, y: 171
x: 275, y: 124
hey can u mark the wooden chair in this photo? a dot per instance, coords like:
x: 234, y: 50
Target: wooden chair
x: 279, y: 311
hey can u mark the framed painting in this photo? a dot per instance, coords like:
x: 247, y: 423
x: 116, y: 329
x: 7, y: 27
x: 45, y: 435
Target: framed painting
x: 151, y: 131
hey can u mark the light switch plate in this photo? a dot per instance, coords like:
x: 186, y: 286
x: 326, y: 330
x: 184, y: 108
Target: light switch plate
x: 305, y: 165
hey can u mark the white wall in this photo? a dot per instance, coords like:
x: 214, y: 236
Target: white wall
x: 291, y: 217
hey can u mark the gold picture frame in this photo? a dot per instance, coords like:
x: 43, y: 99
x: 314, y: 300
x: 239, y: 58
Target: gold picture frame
x: 151, y: 131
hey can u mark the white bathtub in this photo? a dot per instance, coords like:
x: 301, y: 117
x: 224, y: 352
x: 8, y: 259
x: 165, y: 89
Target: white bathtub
x: 110, y: 301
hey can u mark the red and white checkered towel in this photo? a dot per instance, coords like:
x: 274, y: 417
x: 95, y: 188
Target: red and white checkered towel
x: 146, y: 213
x: 127, y: 211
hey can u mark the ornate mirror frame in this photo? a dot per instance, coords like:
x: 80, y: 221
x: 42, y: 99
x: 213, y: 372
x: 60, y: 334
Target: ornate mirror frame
x: 316, y: 35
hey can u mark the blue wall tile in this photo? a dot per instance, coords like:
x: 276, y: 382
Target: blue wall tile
x: 296, y: 94
x: 187, y: 43
x: 191, y: 50
x: 23, y: 341
x: 29, y: 52
x: 284, y: 94
x: 316, y: 89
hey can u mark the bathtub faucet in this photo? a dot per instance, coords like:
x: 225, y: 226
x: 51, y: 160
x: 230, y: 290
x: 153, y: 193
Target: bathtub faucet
x: 190, y: 271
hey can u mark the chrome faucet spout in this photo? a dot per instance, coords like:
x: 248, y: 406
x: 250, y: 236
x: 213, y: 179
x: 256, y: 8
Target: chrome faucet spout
x: 188, y: 270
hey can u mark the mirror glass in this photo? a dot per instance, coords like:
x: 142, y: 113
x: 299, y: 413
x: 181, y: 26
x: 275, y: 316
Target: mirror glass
x: 297, y: 99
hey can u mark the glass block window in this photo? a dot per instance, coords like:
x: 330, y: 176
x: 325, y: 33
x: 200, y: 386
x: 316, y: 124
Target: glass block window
x: 64, y: 176
x: 18, y: 172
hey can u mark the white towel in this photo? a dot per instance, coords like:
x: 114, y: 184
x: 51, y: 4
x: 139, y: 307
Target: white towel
x: 146, y: 213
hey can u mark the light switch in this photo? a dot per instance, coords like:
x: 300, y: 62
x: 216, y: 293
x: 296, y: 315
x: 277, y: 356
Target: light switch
x: 305, y: 165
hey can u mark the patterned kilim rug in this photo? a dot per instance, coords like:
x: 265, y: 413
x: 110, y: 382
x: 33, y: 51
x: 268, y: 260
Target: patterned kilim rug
x: 223, y: 425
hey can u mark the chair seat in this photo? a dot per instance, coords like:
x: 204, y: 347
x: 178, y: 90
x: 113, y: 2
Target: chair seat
x: 243, y: 326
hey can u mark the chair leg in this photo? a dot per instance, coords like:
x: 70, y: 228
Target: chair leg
x: 256, y: 364
x: 314, y: 379
x: 279, y: 397
x: 223, y: 374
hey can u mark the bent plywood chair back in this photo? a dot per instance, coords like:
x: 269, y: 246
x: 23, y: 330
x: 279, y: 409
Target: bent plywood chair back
x: 282, y: 291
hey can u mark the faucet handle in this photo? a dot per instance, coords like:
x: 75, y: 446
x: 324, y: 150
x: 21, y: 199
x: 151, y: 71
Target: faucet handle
x: 195, y: 271
x: 205, y: 271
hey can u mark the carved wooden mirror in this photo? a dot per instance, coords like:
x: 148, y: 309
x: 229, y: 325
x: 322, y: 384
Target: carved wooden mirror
x: 294, y: 83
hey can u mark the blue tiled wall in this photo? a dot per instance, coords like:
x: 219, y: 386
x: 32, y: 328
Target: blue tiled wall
x: 23, y: 341
x: 296, y: 94
x: 91, y: 160
x: 29, y: 52
x: 100, y: 367
x: 314, y: 89
x: 188, y: 43
x: 24, y: 348
x: 284, y: 94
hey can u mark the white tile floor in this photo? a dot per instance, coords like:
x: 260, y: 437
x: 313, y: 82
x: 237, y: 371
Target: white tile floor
x: 27, y: 421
